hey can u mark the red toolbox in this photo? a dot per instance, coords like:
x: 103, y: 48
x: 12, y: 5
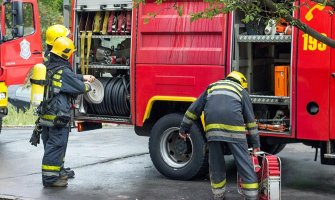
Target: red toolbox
x: 268, y: 170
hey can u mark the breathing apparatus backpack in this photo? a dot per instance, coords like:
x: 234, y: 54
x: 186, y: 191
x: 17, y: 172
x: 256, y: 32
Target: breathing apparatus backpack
x: 42, y: 95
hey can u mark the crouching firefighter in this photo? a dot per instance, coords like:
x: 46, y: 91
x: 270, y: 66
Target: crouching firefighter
x: 60, y: 87
x: 228, y: 117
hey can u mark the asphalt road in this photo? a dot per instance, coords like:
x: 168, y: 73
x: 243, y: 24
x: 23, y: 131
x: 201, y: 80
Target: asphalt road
x: 113, y: 163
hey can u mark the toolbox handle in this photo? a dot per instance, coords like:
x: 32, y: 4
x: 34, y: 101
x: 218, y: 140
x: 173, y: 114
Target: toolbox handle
x: 258, y: 153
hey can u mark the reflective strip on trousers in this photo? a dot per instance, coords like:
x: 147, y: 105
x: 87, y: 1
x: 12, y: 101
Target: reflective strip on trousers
x: 50, y: 173
x: 250, y: 193
x: 250, y: 185
x: 50, y: 168
x: 218, y: 185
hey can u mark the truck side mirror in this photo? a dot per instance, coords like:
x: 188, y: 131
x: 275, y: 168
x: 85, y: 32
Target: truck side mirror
x: 17, y: 13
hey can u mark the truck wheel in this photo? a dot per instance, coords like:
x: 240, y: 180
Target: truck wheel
x: 174, y: 157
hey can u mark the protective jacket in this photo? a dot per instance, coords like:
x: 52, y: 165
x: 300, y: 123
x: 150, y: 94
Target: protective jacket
x: 64, y: 85
x: 228, y: 116
x: 228, y: 113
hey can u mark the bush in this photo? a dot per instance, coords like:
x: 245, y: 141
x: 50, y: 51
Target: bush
x: 17, y: 117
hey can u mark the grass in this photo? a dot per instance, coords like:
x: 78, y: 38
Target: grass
x: 19, y: 118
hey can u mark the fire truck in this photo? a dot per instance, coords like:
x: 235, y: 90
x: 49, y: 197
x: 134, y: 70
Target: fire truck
x: 20, y: 45
x: 151, y: 72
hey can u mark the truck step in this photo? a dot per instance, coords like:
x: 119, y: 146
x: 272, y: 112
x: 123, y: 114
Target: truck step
x: 330, y: 155
x: 106, y: 119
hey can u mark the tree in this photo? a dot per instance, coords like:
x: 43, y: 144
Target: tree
x: 50, y: 13
x: 257, y: 9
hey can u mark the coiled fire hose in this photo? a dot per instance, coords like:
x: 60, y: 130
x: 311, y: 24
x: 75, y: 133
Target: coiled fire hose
x: 116, y: 98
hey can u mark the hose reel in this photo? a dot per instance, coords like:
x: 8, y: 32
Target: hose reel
x: 116, y: 97
x: 96, y: 95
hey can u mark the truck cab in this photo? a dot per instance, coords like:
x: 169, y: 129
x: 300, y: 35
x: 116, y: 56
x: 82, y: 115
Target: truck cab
x: 20, y: 45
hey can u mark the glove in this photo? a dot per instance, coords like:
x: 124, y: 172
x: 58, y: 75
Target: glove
x: 184, y: 135
x: 35, y: 137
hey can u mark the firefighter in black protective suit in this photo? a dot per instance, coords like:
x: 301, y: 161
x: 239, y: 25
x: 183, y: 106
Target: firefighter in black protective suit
x: 228, y: 116
x: 52, y: 33
x: 55, y: 111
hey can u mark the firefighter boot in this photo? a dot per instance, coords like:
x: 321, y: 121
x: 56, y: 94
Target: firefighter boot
x: 59, y: 183
x: 218, y: 196
x: 67, y: 172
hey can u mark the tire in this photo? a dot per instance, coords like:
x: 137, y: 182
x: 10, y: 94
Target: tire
x: 173, y: 157
x: 272, y: 148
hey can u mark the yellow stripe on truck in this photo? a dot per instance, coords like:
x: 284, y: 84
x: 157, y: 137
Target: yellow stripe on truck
x: 164, y: 98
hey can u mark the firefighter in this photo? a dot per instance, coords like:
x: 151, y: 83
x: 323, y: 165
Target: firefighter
x: 228, y: 117
x: 52, y: 33
x: 55, y: 110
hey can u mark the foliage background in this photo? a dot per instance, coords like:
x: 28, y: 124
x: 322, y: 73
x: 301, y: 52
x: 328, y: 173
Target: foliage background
x: 50, y: 12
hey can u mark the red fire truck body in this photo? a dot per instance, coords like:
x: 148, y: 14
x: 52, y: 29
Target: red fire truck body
x: 19, y: 54
x: 172, y: 60
x: 20, y: 45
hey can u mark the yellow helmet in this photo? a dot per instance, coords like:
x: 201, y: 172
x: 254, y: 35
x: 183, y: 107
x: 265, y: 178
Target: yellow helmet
x: 63, y: 47
x: 54, y: 32
x: 239, y: 77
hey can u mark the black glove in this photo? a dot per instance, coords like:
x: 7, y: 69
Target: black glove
x: 35, y: 137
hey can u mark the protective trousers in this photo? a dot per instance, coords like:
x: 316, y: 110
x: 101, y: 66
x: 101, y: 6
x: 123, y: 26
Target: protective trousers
x: 55, y: 143
x: 245, y: 169
x: 45, y: 139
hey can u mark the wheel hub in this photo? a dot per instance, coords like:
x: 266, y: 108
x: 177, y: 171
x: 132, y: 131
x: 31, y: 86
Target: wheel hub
x: 175, y: 151
x: 181, y: 146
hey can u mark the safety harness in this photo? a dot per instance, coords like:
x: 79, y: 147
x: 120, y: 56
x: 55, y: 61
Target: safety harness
x: 47, y: 114
x: 45, y: 118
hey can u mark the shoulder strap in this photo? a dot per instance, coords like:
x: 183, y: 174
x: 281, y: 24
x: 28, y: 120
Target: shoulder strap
x: 54, y: 70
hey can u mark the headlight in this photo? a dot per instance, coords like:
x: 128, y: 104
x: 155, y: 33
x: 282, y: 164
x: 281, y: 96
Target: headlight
x: 2, y: 95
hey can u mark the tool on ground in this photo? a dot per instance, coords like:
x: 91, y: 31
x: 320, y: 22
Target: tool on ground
x: 268, y: 171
